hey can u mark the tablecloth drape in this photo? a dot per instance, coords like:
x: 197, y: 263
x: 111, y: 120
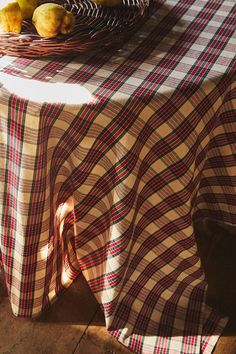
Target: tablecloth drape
x: 107, y: 160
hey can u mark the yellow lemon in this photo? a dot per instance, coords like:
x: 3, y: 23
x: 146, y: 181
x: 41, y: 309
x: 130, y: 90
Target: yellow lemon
x: 27, y: 7
x: 10, y: 17
x: 51, y: 19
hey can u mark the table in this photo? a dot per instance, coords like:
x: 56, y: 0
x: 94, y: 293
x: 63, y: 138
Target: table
x: 106, y: 162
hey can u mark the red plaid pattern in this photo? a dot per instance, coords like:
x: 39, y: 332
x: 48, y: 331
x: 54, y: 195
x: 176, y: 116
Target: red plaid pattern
x: 106, y: 161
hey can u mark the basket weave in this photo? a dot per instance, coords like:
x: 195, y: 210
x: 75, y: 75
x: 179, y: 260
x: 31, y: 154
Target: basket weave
x: 96, y: 28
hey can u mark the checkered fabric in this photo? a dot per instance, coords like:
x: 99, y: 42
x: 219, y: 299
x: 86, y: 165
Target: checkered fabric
x: 106, y: 160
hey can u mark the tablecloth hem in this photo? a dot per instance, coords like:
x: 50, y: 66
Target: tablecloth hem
x: 214, y: 338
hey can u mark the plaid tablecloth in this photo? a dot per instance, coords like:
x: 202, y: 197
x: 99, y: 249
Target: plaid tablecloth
x: 107, y: 160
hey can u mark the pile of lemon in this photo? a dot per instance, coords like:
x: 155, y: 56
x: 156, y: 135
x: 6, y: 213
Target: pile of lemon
x: 49, y: 19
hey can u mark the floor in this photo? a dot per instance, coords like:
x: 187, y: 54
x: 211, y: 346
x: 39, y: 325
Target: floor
x: 75, y: 324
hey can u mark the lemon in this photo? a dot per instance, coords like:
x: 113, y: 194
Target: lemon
x: 27, y: 7
x: 10, y: 17
x: 51, y: 19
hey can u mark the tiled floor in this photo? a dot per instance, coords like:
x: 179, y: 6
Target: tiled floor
x: 75, y: 324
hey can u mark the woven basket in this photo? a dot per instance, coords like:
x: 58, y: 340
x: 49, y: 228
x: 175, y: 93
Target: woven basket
x: 97, y: 27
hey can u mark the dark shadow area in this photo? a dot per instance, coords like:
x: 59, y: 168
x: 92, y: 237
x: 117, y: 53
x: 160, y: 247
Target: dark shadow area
x: 3, y: 288
x: 76, y: 305
x: 165, y: 19
x: 217, y: 245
